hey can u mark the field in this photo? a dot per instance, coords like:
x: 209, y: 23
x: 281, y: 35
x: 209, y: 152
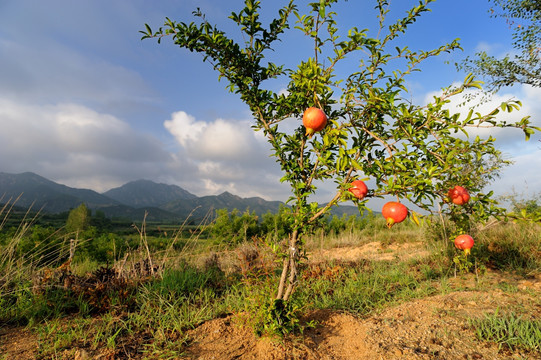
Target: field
x: 366, y: 292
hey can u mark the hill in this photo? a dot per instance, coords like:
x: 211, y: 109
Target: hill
x: 202, y: 205
x: 37, y: 192
x: 145, y: 193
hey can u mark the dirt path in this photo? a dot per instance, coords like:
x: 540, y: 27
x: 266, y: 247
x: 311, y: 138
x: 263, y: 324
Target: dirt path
x: 372, y: 251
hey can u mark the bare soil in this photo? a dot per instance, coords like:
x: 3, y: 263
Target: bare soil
x: 430, y: 328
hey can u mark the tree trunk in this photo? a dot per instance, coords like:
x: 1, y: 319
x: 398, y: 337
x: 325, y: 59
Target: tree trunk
x: 290, y: 269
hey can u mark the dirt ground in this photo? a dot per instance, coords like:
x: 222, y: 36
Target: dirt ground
x: 431, y: 328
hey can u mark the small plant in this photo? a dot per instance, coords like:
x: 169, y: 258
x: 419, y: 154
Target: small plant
x: 268, y: 316
x: 463, y: 263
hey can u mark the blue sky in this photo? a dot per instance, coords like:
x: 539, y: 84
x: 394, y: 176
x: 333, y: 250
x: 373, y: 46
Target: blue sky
x: 85, y: 102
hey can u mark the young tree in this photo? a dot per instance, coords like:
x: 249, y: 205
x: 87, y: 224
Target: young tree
x: 414, y: 152
x: 78, y: 219
x: 524, y: 17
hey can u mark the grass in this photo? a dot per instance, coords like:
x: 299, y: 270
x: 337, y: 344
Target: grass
x: 144, y: 309
x: 368, y: 285
x: 512, y: 247
x: 509, y: 330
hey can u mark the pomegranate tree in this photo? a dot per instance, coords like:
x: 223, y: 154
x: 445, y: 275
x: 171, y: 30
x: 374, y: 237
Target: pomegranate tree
x: 372, y: 127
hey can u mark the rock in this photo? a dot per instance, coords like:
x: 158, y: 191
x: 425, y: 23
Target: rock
x: 81, y: 354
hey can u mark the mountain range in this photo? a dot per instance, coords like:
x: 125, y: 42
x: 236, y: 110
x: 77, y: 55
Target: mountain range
x: 161, y: 202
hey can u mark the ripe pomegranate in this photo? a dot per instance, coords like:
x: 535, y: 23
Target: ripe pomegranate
x: 464, y: 242
x: 314, y: 120
x: 358, y: 189
x: 458, y: 195
x: 394, y: 212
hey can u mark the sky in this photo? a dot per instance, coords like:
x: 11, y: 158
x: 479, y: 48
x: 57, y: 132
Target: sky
x: 86, y: 103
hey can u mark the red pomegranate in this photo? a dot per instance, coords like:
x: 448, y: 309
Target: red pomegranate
x: 314, y: 120
x: 358, y: 189
x: 458, y: 195
x: 464, y: 242
x: 394, y: 212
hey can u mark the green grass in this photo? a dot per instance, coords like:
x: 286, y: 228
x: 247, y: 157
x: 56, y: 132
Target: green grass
x: 509, y: 330
x: 366, y: 286
x: 511, y: 247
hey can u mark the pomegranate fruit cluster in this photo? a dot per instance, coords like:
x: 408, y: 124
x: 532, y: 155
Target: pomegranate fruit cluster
x: 394, y: 212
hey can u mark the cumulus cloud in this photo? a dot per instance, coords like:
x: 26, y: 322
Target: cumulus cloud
x: 218, y: 140
x: 76, y: 105
x: 488, y: 47
x: 521, y: 177
x: 184, y: 127
x: 228, y: 155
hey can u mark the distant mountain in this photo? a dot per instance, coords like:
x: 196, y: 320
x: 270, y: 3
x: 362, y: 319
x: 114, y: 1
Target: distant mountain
x: 40, y: 193
x: 131, y: 201
x: 199, y: 207
x: 146, y: 193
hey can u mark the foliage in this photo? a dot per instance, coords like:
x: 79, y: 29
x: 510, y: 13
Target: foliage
x: 233, y: 228
x: 462, y: 262
x: 409, y: 151
x: 362, y: 286
x: 524, y: 209
x: 524, y: 17
x: 78, y: 219
x: 510, y: 247
x: 276, y: 226
x: 186, y: 279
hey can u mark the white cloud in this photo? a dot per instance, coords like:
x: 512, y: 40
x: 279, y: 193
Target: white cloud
x: 73, y: 143
x: 486, y: 47
x: 228, y: 156
x: 219, y: 140
x: 522, y: 177
x: 184, y: 128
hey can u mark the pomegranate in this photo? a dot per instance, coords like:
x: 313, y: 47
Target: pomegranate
x: 358, y: 189
x: 394, y: 212
x: 314, y: 120
x: 458, y: 195
x: 464, y: 242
